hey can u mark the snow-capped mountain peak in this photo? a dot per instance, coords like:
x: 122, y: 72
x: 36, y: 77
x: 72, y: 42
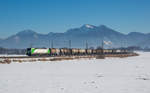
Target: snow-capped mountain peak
x: 89, y: 26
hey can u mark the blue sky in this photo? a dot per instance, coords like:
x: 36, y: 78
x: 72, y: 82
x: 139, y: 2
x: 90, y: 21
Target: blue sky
x: 46, y: 16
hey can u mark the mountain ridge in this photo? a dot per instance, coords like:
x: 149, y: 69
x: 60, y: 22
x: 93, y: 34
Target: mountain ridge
x: 79, y: 36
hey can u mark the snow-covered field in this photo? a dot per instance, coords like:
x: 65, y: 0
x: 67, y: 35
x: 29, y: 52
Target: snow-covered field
x: 110, y: 75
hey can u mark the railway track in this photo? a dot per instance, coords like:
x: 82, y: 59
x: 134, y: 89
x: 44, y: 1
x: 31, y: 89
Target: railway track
x: 20, y: 57
x: 23, y: 57
x: 82, y: 56
x: 9, y: 59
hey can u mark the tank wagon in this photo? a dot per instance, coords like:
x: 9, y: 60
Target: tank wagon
x: 65, y: 51
x: 73, y: 51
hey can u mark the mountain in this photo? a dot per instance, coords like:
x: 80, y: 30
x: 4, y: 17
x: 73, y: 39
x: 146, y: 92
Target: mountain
x: 93, y: 35
x: 145, y: 42
x: 1, y: 40
x: 135, y: 38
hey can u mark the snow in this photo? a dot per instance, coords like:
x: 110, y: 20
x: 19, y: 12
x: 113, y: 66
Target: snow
x: 89, y: 26
x: 110, y: 75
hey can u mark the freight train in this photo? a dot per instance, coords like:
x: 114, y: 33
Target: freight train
x: 72, y: 51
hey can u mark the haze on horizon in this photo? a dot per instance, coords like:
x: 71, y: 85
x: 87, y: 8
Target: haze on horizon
x: 60, y: 15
